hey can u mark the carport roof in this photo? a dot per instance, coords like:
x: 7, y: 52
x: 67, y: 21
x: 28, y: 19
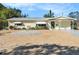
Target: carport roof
x: 68, y: 18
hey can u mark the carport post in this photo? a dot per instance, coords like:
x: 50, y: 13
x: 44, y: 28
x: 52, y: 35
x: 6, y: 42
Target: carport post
x: 49, y: 26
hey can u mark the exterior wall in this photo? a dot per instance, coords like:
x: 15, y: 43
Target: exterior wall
x: 77, y: 24
x: 11, y: 23
x: 63, y: 24
x: 28, y: 25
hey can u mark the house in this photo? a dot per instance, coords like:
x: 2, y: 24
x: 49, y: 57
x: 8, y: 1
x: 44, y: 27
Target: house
x: 50, y: 23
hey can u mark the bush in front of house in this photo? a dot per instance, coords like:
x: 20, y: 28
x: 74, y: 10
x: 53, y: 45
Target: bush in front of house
x: 32, y: 28
x: 11, y: 27
x: 74, y: 25
x: 24, y: 28
x: 15, y: 28
x: 41, y: 27
x: 3, y: 24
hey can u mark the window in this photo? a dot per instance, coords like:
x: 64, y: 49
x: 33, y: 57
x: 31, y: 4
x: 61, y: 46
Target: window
x: 19, y: 24
x: 41, y: 24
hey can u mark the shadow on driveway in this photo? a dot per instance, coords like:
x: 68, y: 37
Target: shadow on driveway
x: 46, y: 49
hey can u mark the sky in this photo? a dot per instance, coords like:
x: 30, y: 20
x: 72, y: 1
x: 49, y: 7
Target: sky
x: 39, y: 9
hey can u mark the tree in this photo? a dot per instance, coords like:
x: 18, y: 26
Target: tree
x: 6, y: 13
x: 2, y: 6
x: 74, y: 14
x: 25, y: 15
x: 1, y: 25
x: 49, y: 14
x: 46, y: 16
x: 16, y: 12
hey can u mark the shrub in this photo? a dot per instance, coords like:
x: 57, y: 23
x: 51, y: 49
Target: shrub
x: 3, y: 24
x: 32, y: 28
x: 24, y: 28
x: 11, y: 27
x: 41, y: 27
x: 75, y: 25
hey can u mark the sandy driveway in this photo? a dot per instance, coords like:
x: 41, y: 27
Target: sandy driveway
x: 17, y: 38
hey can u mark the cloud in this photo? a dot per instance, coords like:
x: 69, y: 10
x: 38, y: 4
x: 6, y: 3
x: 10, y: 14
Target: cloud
x: 18, y: 4
x: 57, y: 8
x: 28, y: 6
x: 41, y: 6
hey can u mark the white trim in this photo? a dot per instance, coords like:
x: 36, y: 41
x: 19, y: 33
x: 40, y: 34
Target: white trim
x: 17, y: 22
x: 41, y: 23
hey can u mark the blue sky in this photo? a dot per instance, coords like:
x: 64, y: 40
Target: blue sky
x: 39, y: 9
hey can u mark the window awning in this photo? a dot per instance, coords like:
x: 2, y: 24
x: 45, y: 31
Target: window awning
x: 17, y: 22
x: 41, y: 23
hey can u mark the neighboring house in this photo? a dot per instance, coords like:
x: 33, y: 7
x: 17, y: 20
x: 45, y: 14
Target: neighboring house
x: 50, y: 23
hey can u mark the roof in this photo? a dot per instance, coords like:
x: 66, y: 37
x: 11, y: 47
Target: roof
x: 29, y: 18
x: 32, y: 19
x: 77, y: 20
x: 69, y: 18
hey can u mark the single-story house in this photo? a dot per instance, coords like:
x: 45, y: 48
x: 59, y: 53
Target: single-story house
x: 50, y: 23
